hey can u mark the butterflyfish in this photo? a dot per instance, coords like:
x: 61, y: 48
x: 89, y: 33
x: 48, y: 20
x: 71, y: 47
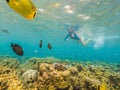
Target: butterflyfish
x: 24, y: 7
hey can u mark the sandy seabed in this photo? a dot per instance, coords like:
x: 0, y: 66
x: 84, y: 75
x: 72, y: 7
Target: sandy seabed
x: 54, y: 74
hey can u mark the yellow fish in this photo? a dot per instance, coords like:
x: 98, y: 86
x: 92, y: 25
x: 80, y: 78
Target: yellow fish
x: 102, y: 87
x: 23, y: 7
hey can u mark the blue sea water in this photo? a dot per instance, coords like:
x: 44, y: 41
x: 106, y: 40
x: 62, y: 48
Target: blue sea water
x: 99, y: 17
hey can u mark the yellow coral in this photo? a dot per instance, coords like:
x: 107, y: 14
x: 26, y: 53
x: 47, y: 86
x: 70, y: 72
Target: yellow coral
x: 51, y: 88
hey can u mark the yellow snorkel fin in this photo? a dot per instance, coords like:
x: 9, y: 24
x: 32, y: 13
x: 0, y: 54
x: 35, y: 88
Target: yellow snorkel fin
x: 23, y: 7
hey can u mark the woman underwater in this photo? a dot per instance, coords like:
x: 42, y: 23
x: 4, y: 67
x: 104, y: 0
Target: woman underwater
x: 78, y: 34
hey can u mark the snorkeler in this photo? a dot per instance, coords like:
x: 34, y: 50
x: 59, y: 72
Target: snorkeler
x: 71, y: 34
x: 77, y: 35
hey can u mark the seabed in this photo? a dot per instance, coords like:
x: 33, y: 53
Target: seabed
x: 55, y: 74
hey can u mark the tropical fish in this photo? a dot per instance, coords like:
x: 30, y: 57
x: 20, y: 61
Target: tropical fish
x: 23, y: 7
x: 49, y: 46
x: 102, y: 87
x: 5, y: 31
x: 40, y: 44
x: 17, y: 49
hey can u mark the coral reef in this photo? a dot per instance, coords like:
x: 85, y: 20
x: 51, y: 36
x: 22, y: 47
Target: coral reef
x: 10, y: 62
x: 8, y: 79
x: 54, y: 74
x: 3, y: 85
x: 60, y: 67
x: 114, y: 79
